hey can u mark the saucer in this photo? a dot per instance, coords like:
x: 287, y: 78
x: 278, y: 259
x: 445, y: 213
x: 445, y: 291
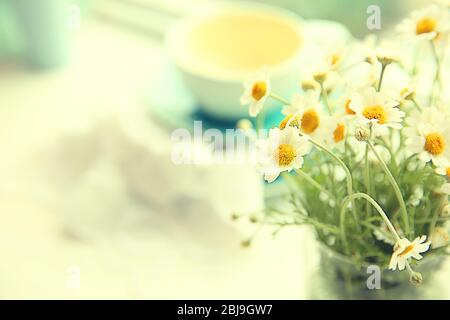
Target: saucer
x: 175, y: 107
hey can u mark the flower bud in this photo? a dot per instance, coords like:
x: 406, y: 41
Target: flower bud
x: 408, y: 94
x: 234, y: 216
x: 384, y: 60
x: 362, y: 134
x: 320, y: 76
x: 416, y: 278
x: 308, y: 85
x: 246, y: 243
x: 244, y: 124
x: 385, y: 57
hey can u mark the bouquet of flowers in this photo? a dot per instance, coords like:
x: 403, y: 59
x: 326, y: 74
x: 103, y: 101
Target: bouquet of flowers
x: 367, y: 160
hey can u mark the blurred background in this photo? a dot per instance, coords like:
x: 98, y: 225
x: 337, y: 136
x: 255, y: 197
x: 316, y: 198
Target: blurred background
x: 90, y: 204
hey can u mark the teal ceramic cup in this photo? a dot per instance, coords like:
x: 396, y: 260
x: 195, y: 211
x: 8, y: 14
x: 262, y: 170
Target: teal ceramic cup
x: 42, y: 25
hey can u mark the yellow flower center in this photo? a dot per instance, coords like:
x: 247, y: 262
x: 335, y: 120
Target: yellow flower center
x: 347, y: 107
x: 425, y: 25
x: 447, y: 171
x: 406, y: 250
x: 375, y: 112
x: 310, y: 121
x: 259, y: 90
x: 286, y: 154
x: 334, y: 59
x: 434, y: 143
x: 339, y: 133
x: 293, y: 123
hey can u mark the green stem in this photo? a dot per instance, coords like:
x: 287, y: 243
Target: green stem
x: 260, y: 120
x: 417, y: 105
x: 324, y: 96
x: 383, y: 68
x: 396, y: 188
x: 348, y: 174
x: 314, y: 183
x: 438, y: 72
x: 278, y: 98
x: 367, y: 178
x: 375, y: 205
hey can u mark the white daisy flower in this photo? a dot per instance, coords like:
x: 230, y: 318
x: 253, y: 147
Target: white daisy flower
x: 305, y: 113
x: 427, y: 23
x: 437, y: 116
x: 336, y: 57
x: 404, y: 249
x: 282, y: 151
x: 430, y: 142
x: 439, y: 238
x: 256, y: 91
x: 375, y: 108
x: 343, y: 103
x: 334, y: 132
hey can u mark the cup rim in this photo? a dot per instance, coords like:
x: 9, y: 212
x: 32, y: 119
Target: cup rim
x: 176, y: 46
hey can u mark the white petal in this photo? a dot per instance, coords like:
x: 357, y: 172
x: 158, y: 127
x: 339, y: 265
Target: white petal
x: 270, y: 177
x: 416, y: 144
x: 255, y: 108
x: 393, y: 262
x: 401, y: 263
x: 246, y: 98
x: 298, y: 162
x: 416, y: 256
x: 424, y: 156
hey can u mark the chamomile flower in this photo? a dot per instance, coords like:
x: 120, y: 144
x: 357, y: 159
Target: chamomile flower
x: 336, y: 57
x: 404, y: 249
x: 305, y: 113
x: 256, y: 91
x: 427, y: 23
x: 334, y: 132
x: 343, y: 103
x: 282, y: 151
x: 431, y: 143
x: 375, y: 108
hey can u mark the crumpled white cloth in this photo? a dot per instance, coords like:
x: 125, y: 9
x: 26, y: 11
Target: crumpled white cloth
x: 115, y: 180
